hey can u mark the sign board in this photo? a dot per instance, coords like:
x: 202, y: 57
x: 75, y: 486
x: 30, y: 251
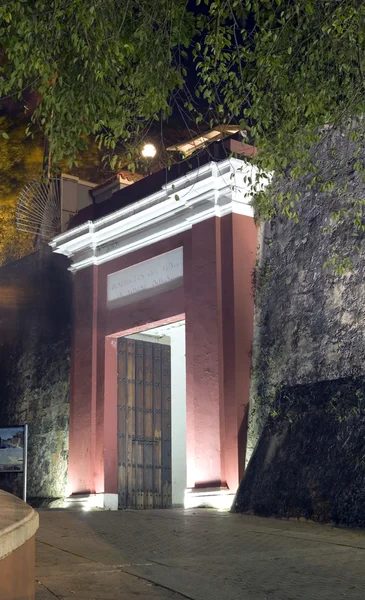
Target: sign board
x: 151, y: 277
x: 11, y: 449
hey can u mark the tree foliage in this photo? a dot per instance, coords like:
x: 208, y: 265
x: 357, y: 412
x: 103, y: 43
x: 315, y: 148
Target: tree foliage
x: 289, y: 70
x: 21, y: 161
x: 285, y: 70
x: 101, y: 68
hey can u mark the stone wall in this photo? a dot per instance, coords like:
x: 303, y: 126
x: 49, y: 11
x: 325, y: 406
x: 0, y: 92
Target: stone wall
x: 309, y: 329
x: 35, y: 333
x: 310, y: 458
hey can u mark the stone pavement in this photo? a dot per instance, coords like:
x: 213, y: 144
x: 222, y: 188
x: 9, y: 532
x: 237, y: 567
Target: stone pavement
x: 197, y: 554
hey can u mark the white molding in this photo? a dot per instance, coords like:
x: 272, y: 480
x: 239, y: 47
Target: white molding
x: 214, y: 190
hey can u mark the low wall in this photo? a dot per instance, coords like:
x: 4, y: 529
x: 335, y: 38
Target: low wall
x: 18, y: 525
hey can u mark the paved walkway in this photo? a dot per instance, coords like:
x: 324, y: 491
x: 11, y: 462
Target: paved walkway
x: 196, y: 554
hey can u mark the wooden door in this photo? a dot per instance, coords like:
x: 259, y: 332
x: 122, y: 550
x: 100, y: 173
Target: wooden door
x: 144, y: 424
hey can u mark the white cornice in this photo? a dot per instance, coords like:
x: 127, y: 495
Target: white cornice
x: 215, y: 189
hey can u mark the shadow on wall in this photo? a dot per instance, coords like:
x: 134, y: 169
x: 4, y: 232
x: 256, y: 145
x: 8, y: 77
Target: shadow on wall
x: 35, y: 341
x: 310, y: 458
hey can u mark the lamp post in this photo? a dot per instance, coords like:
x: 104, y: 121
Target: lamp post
x: 149, y: 152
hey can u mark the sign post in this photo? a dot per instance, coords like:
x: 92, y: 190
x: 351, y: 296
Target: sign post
x: 25, y: 463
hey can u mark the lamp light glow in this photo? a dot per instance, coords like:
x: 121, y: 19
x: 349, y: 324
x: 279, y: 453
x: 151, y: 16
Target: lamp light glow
x: 220, y: 500
x: 149, y: 151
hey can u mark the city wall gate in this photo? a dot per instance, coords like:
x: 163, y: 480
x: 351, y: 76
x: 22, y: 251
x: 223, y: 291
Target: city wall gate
x: 144, y: 424
x: 195, y: 257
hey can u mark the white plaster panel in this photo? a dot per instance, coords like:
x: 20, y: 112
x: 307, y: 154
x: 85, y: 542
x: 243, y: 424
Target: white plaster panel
x: 151, y: 277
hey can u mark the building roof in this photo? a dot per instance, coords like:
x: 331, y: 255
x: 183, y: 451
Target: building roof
x: 214, y: 189
x: 217, y: 133
x: 123, y: 176
x: 146, y: 186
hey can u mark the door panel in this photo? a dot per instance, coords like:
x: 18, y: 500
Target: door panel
x: 144, y: 424
x: 166, y: 426
x: 156, y: 441
x: 122, y: 422
x: 130, y: 415
x: 148, y: 419
x: 138, y: 444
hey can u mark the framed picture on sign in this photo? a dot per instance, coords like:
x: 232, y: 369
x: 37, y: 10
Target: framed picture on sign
x: 12, y: 449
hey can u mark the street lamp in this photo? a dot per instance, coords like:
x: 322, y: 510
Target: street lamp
x: 149, y: 151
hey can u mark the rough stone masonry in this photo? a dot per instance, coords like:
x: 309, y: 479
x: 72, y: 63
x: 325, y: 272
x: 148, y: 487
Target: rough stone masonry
x: 35, y: 341
x: 307, y: 422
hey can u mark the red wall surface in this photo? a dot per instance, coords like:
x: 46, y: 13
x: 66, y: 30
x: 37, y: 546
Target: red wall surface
x: 216, y: 302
